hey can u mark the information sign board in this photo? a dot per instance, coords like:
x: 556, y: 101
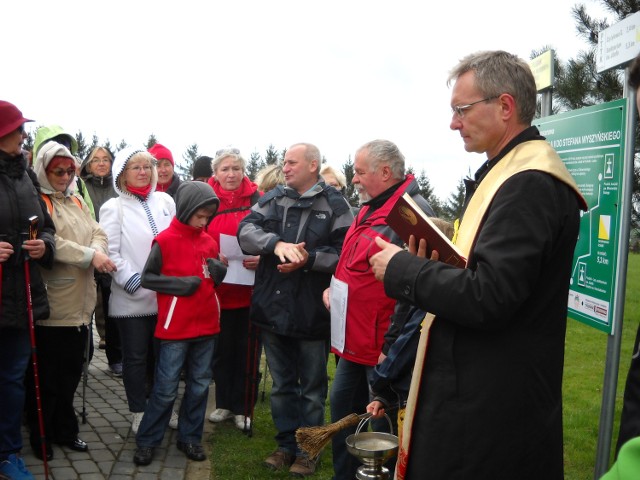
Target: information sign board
x: 618, y: 44
x: 591, y: 143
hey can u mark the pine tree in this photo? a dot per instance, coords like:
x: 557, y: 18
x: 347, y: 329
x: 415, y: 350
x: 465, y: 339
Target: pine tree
x: 271, y: 156
x: 111, y: 148
x: 185, y: 169
x: 350, y: 192
x: 95, y: 141
x: 254, y: 165
x: 151, y: 141
x: 452, y: 208
x: 82, y: 145
x: 426, y: 190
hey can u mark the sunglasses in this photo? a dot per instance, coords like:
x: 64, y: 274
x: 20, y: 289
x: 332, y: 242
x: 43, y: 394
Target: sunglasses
x: 233, y: 151
x: 59, y: 172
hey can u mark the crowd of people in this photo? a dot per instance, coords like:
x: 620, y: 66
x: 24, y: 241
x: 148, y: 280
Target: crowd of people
x: 192, y: 279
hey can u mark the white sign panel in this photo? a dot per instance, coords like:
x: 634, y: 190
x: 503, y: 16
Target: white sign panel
x: 619, y: 43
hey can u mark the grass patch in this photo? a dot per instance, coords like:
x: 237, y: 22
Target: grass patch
x: 585, y: 357
x: 239, y: 457
x: 236, y: 456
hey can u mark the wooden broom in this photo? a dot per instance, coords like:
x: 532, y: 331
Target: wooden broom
x: 313, y: 439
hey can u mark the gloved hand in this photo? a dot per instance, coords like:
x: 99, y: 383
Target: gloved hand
x: 217, y: 270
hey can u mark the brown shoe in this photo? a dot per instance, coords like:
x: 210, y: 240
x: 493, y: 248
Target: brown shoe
x: 278, y: 460
x: 303, y: 466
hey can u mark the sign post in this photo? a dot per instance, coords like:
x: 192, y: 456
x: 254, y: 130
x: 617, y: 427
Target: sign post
x: 594, y: 144
x: 618, y: 44
x: 543, y: 71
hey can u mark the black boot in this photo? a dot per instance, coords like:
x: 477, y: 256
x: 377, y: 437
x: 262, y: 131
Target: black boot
x: 36, y: 446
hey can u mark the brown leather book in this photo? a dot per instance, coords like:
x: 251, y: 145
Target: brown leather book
x: 407, y: 218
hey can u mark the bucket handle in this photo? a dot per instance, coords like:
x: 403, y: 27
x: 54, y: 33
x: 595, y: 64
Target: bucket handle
x: 367, y: 416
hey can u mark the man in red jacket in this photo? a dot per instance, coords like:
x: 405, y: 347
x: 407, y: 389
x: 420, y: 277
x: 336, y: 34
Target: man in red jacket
x: 380, y: 180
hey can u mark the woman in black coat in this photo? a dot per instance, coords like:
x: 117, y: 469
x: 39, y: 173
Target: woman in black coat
x: 98, y: 178
x: 19, y: 202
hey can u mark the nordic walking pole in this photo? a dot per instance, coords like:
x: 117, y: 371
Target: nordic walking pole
x: 247, y: 379
x: 34, y: 356
x: 85, y: 371
x: 264, y: 381
x: 3, y: 238
x: 251, y: 380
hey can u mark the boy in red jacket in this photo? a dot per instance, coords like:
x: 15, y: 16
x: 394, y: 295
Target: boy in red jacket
x: 183, y: 270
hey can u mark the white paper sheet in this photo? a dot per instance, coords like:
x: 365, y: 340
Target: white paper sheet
x: 236, y: 273
x: 338, y: 298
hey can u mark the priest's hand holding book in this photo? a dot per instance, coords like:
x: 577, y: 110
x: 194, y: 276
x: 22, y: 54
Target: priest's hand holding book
x: 406, y: 218
x: 380, y: 260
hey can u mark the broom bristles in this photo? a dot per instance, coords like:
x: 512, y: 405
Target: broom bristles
x: 313, y: 439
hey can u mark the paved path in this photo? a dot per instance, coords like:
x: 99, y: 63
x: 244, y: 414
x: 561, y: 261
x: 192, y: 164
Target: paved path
x: 111, y: 442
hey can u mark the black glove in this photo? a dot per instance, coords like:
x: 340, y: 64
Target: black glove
x: 217, y: 270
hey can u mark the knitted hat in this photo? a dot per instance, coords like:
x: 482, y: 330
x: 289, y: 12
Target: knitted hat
x: 161, y: 153
x: 202, y: 167
x: 10, y: 118
x: 627, y: 466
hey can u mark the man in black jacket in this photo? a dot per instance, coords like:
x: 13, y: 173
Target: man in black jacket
x: 298, y: 230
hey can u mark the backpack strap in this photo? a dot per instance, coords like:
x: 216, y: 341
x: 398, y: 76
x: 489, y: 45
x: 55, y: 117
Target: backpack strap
x: 255, y: 196
x: 232, y: 210
x: 77, y: 200
x: 49, y: 203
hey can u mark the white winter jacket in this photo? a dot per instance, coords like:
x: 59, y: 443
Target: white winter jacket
x: 131, y: 225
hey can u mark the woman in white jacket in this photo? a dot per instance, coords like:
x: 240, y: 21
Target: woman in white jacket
x: 81, y: 246
x: 132, y: 221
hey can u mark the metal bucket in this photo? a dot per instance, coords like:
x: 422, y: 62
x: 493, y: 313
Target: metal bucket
x: 373, y: 449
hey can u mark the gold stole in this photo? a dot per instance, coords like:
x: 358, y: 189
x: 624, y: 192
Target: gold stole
x: 531, y: 155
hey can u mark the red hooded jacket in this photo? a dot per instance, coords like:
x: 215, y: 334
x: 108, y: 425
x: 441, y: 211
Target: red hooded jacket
x: 184, y: 253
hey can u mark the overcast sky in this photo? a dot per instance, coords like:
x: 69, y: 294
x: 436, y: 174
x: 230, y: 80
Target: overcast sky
x: 254, y: 73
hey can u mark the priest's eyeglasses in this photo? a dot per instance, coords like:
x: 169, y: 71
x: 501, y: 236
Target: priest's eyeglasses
x: 459, y: 110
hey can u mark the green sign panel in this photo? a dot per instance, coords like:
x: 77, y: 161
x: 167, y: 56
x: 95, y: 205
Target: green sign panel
x: 590, y: 141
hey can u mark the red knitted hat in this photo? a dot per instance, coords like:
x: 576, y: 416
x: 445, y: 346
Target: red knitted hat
x: 161, y: 152
x: 11, y: 118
